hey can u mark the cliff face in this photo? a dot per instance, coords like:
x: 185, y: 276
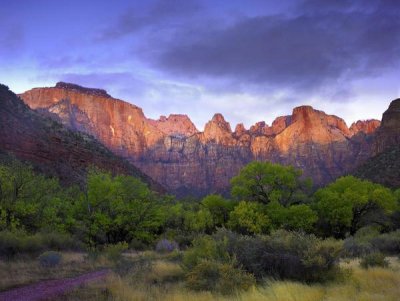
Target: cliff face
x: 52, y: 148
x: 384, y: 167
x: 174, y: 153
x: 388, y: 134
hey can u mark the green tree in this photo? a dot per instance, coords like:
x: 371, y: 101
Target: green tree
x: 345, y: 205
x: 295, y: 217
x: 30, y: 201
x: 219, y: 208
x: 249, y: 218
x: 265, y: 182
x: 120, y: 208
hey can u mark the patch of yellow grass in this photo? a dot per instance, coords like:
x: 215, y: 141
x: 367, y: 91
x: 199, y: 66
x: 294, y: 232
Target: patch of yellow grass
x: 362, y: 285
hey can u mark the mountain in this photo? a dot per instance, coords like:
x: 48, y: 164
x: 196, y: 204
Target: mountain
x: 52, y: 148
x: 174, y: 153
x: 384, y: 167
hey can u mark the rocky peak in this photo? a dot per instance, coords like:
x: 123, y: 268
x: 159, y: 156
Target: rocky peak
x: 311, y: 126
x: 218, y: 130
x: 175, y: 124
x: 260, y: 128
x: 74, y: 87
x: 364, y: 126
x: 388, y: 134
x: 391, y: 117
x: 280, y: 123
x: 240, y: 129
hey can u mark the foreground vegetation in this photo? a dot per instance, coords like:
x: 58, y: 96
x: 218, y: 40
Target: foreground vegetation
x: 275, y: 239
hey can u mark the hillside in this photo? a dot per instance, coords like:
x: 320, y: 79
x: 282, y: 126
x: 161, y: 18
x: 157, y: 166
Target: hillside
x: 52, y: 148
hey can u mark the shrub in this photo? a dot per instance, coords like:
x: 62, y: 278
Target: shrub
x: 205, y: 248
x: 114, y: 252
x: 374, y: 260
x: 166, y: 246
x: 14, y: 243
x: 50, y: 259
x: 137, y: 266
x: 218, y: 277
x: 20, y: 243
x: 388, y: 243
x: 137, y: 245
x: 355, y: 248
x: 284, y: 255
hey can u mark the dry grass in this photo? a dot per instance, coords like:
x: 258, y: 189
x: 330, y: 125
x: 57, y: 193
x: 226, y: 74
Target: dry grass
x: 361, y: 285
x: 21, y: 272
x: 164, y: 282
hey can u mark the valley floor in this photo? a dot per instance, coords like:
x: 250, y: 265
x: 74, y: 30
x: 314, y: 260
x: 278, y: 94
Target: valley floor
x: 163, y: 280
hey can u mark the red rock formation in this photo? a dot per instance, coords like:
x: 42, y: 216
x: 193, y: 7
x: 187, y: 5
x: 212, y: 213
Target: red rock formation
x: 172, y: 152
x: 52, y: 148
x: 388, y: 134
x: 118, y: 124
x: 364, y: 126
x: 217, y: 130
x: 175, y: 124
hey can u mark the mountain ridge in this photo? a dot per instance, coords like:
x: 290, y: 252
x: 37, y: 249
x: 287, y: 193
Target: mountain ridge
x: 183, y: 159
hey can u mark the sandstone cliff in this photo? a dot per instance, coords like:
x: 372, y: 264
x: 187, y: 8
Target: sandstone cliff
x: 174, y: 153
x: 53, y: 149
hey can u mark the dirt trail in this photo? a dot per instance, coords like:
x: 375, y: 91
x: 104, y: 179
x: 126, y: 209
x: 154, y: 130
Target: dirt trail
x: 50, y: 288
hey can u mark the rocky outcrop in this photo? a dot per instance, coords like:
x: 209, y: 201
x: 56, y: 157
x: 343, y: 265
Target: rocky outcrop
x: 388, y: 134
x: 175, y: 125
x: 174, y: 153
x: 52, y: 148
x: 364, y: 126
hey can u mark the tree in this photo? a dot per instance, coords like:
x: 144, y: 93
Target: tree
x: 249, y: 218
x: 120, y: 208
x: 295, y: 217
x: 265, y: 182
x: 345, y: 205
x: 219, y: 208
x: 30, y: 201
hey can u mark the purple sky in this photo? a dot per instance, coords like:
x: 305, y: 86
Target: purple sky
x: 249, y: 60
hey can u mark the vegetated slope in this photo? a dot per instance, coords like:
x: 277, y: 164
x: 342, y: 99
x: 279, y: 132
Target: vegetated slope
x: 187, y: 161
x: 52, y: 148
x: 384, y: 168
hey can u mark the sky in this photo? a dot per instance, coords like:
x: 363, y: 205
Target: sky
x: 250, y: 60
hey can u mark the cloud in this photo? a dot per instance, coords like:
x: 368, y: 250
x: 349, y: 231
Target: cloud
x: 304, y: 50
x: 155, y: 15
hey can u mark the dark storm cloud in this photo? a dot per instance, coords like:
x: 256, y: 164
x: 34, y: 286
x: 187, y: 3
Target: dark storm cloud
x: 135, y: 19
x: 303, y: 50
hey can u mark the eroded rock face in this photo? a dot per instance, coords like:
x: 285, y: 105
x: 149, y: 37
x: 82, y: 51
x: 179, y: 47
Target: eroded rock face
x: 388, y: 134
x: 174, y: 153
x: 118, y: 124
x: 52, y: 148
x: 364, y: 126
x: 175, y: 125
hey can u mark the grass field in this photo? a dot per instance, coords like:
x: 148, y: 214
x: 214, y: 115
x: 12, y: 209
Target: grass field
x: 164, y: 281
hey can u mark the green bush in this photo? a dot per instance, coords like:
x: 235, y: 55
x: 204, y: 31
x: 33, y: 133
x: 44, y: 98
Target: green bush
x: 15, y: 243
x: 218, y: 277
x: 284, y: 255
x: 374, y: 260
x: 114, y: 252
x: 388, y: 243
x: 356, y: 248
x: 20, y: 243
x: 50, y: 259
x: 205, y: 248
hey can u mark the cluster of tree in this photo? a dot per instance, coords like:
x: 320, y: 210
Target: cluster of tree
x: 114, y: 209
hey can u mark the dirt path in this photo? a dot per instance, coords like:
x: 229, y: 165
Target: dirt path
x: 50, y: 288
